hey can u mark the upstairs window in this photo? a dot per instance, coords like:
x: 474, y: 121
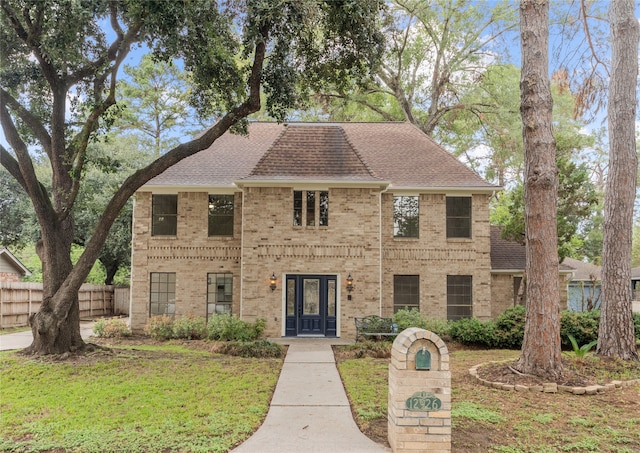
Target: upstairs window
x: 458, y: 217
x: 310, y: 208
x: 406, y: 217
x: 220, y: 215
x: 164, y: 215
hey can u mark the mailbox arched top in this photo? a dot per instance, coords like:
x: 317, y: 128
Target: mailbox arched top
x: 411, y: 341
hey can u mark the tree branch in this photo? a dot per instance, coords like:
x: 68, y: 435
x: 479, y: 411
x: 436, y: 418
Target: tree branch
x: 30, y: 120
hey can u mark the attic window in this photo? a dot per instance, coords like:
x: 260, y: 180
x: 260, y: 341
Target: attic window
x: 310, y: 208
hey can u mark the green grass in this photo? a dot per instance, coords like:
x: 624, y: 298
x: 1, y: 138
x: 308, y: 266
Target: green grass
x: 9, y: 330
x: 486, y: 419
x: 146, y: 399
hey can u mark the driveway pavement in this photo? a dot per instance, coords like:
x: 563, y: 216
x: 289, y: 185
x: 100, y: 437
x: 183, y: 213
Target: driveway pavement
x: 21, y: 340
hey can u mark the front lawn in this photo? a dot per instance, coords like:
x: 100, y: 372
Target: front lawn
x: 138, y: 399
x: 490, y: 420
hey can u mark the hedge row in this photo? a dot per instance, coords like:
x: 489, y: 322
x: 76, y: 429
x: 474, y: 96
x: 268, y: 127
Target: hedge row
x: 507, y: 331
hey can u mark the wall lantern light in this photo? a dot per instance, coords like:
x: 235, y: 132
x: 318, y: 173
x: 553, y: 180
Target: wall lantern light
x: 272, y: 282
x: 350, y: 283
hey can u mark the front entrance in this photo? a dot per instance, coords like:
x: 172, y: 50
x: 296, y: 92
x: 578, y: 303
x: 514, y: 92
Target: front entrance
x: 311, y: 305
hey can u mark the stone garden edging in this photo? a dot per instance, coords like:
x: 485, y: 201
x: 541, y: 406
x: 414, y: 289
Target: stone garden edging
x: 550, y: 387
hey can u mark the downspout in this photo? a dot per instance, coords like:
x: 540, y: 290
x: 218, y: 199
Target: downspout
x: 242, y: 255
x: 380, y: 249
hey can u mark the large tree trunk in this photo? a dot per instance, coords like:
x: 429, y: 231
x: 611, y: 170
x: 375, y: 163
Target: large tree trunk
x: 616, y: 337
x: 541, y: 353
x: 56, y: 326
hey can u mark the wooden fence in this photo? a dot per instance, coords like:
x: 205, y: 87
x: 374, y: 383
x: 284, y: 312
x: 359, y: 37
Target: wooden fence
x: 19, y: 300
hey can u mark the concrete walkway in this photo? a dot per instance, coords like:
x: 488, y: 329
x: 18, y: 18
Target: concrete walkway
x: 21, y: 340
x: 309, y: 411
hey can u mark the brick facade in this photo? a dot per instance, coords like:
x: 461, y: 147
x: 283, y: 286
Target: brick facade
x: 358, y: 241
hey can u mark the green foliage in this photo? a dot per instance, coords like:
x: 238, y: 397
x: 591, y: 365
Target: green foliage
x: 582, y: 326
x: 476, y: 412
x: 111, y: 328
x: 227, y: 327
x: 413, y: 318
x: 160, y: 327
x: 250, y: 349
x: 581, y: 351
x: 509, y: 328
x: 190, y: 327
x: 473, y: 331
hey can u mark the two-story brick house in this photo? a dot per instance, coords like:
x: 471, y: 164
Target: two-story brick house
x: 309, y: 225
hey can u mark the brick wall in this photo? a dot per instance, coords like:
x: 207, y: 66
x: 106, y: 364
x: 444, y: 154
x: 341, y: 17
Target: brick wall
x: 267, y: 242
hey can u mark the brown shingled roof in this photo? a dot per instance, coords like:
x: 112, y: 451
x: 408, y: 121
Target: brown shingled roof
x: 312, y: 151
x: 398, y: 153
x: 506, y: 255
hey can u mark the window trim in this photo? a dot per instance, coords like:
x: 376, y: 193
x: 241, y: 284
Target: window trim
x: 215, y: 294
x: 303, y: 216
x: 211, y: 216
x: 450, y: 295
x: 398, y: 306
x: 403, y: 216
x: 171, y: 301
x: 156, y: 215
x: 450, y: 219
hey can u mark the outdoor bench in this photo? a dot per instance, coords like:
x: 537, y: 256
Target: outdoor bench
x: 375, y: 326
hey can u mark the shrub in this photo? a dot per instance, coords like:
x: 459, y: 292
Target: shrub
x: 190, y: 327
x: 226, y: 327
x: 473, y: 331
x: 160, y: 327
x: 509, y: 328
x: 249, y: 349
x: 636, y: 322
x: 111, y: 328
x: 413, y: 318
x: 582, y: 326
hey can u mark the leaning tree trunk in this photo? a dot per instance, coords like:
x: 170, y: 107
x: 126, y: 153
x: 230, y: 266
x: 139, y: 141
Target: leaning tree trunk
x: 56, y: 326
x: 616, y: 336
x: 541, y: 353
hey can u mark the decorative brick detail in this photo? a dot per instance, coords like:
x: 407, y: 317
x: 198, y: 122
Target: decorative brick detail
x: 425, y: 426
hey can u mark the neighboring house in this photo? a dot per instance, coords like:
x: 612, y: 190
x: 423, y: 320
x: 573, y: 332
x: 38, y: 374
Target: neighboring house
x: 11, y: 269
x: 309, y: 225
x: 584, y: 287
x: 508, y: 262
x: 635, y: 287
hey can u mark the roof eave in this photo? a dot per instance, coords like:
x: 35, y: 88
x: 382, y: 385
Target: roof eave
x: 376, y: 184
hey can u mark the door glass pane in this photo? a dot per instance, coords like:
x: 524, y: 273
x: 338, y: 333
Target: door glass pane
x: 291, y: 297
x: 311, y: 305
x: 331, y: 298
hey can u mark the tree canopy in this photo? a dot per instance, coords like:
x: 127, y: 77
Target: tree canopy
x: 60, y: 61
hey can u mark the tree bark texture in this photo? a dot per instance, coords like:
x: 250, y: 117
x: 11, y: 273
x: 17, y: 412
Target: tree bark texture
x: 616, y: 336
x: 541, y: 352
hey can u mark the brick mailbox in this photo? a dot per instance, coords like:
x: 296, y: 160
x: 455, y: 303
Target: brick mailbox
x: 419, y: 414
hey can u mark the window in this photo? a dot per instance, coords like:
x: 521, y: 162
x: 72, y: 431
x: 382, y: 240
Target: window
x: 314, y: 205
x: 162, y: 294
x: 406, y: 217
x: 219, y: 294
x: 406, y: 292
x: 164, y: 213
x: 459, y: 303
x: 458, y: 217
x: 220, y: 215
